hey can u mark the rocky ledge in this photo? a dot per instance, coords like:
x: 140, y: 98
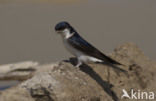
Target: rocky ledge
x: 62, y: 81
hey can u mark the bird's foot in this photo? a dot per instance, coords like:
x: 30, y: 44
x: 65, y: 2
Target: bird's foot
x: 78, y: 64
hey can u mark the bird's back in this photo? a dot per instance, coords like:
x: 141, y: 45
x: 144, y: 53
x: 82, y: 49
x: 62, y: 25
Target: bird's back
x: 83, y: 46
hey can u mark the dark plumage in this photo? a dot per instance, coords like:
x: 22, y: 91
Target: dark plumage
x: 82, y: 45
x: 63, y: 25
x: 79, y: 43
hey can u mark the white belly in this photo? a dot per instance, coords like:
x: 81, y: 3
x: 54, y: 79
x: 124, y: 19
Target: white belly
x: 82, y: 57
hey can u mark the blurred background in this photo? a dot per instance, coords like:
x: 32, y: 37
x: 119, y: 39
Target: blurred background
x: 27, y: 26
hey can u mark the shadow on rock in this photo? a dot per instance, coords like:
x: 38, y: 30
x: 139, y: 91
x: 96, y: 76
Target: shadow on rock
x: 104, y: 84
x: 41, y: 94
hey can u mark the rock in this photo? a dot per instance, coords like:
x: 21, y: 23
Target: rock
x: 62, y: 81
x: 15, y: 94
x: 18, y: 71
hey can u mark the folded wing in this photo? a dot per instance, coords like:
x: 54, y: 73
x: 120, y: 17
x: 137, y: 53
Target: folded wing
x: 79, y: 43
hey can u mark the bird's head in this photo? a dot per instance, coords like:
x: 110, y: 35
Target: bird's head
x: 64, y: 28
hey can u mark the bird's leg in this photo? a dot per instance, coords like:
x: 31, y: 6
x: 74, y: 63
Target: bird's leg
x: 79, y: 63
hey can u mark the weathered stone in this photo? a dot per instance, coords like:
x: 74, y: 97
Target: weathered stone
x: 93, y: 82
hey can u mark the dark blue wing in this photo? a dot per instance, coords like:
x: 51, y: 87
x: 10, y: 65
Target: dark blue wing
x: 79, y: 43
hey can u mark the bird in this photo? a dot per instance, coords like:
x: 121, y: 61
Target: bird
x: 79, y: 47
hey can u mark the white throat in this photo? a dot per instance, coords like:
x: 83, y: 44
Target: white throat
x: 66, y: 34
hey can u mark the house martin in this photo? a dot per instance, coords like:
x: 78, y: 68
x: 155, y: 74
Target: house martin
x: 79, y: 47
